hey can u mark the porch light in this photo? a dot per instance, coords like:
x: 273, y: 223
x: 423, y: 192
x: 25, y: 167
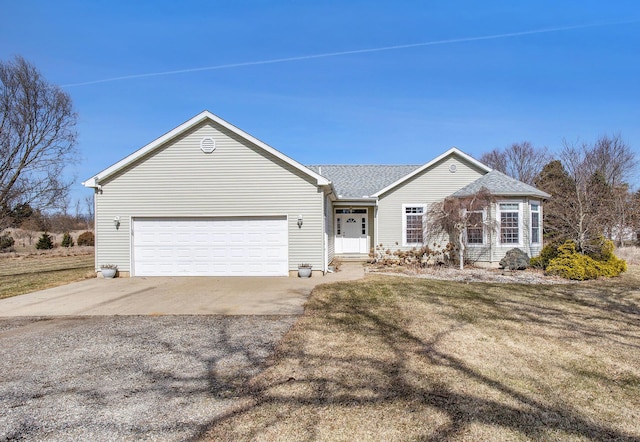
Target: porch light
x: 299, y: 220
x: 116, y: 222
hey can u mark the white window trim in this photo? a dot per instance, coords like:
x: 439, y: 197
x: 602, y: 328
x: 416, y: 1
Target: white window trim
x: 404, y: 223
x: 484, y: 230
x: 539, y: 212
x: 499, y: 222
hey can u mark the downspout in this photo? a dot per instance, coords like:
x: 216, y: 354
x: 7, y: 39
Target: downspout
x: 96, y: 190
x: 375, y: 222
x: 325, y: 251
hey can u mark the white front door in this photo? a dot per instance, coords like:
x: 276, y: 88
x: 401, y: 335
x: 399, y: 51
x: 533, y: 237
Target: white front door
x: 352, y: 231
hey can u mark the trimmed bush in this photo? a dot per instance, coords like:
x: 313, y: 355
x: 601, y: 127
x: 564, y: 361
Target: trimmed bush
x: 45, y: 242
x: 67, y: 240
x: 515, y: 259
x: 573, y: 265
x: 86, y: 239
x: 6, y: 243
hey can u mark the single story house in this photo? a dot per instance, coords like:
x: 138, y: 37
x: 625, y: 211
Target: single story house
x: 207, y: 198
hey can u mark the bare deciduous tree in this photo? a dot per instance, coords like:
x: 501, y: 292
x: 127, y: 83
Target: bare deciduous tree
x: 589, y: 198
x: 520, y: 161
x: 613, y: 158
x: 37, y: 137
x: 88, y: 201
x: 454, y: 216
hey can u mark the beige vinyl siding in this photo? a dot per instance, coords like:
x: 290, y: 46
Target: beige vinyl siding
x: 237, y: 179
x: 433, y: 184
x: 493, y: 251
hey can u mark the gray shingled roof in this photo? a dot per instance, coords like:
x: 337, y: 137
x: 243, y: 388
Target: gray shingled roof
x: 361, y: 181
x: 497, y: 183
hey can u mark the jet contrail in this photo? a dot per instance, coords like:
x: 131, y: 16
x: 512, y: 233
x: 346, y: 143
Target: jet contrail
x: 356, y: 51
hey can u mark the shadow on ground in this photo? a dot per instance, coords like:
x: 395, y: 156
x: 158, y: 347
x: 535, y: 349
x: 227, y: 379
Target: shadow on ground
x: 396, y: 359
x: 127, y: 378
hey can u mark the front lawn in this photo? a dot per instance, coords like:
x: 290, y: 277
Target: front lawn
x: 32, y: 272
x: 396, y: 358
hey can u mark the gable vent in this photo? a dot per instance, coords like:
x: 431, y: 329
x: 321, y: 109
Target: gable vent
x: 207, y: 144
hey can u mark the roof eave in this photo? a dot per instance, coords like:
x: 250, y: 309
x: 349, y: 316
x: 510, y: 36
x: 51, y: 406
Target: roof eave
x: 342, y: 199
x: 507, y: 194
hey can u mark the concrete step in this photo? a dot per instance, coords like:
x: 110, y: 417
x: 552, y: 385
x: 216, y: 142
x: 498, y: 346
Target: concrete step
x: 353, y: 258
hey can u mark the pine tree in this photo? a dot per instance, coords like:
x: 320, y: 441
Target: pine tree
x: 45, y: 242
x: 67, y: 240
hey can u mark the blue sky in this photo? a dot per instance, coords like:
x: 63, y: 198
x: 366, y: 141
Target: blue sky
x: 552, y: 70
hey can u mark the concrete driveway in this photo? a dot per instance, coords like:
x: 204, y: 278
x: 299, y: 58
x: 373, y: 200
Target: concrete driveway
x: 175, y: 296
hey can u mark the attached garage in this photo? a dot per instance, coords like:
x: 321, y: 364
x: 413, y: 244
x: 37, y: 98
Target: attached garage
x: 210, y: 246
x: 207, y: 199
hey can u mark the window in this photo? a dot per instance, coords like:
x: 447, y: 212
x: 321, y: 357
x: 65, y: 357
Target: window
x: 413, y: 224
x: 509, y: 223
x: 475, y: 228
x: 535, y: 223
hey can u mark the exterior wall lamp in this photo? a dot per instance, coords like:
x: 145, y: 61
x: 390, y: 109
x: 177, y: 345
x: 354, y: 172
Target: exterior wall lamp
x: 116, y: 222
x: 299, y: 221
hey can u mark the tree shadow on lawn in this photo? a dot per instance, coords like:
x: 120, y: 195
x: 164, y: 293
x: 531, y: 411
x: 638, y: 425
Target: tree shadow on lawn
x: 385, y: 359
x: 118, y: 378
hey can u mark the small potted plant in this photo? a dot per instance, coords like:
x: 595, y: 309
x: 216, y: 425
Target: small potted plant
x: 304, y: 270
x: 108, y: 270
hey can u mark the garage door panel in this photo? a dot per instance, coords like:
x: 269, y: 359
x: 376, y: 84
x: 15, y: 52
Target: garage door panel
x: 216, y: 247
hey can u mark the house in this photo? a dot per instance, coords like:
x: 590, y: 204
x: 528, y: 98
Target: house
x: 209, y: 199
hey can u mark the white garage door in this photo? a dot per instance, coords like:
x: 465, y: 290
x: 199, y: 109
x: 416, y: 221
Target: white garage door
x: 210, y: 247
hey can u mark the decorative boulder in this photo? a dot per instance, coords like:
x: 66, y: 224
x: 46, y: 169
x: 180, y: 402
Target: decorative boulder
x: 515, y: 259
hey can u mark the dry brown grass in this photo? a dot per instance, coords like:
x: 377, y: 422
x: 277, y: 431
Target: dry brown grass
x: 392, y: 358
x: 20, y: 274
x: 630, y: 254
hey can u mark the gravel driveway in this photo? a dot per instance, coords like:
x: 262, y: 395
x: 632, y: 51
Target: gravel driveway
x: 127, y: 377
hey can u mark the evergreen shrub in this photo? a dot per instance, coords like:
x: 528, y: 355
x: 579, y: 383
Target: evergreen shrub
x: 45, y: 242
x: 548, y: 252
x: 67, y: 240
x: 573, y: 265
x: 6, y: 243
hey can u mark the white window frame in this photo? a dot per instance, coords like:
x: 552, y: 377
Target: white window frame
x: 341, y: 212
x: 499, y: 212
x: 404, y: 223
x: 484, y: 230
x: 539, y: 212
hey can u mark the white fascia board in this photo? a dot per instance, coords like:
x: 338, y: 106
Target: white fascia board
x: 539, y: 194
x: 453, y: 150
x: 95, y: 181
x: 356, y: 201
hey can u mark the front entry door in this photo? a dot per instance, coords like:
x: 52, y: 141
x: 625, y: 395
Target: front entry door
x: 351, y: 229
